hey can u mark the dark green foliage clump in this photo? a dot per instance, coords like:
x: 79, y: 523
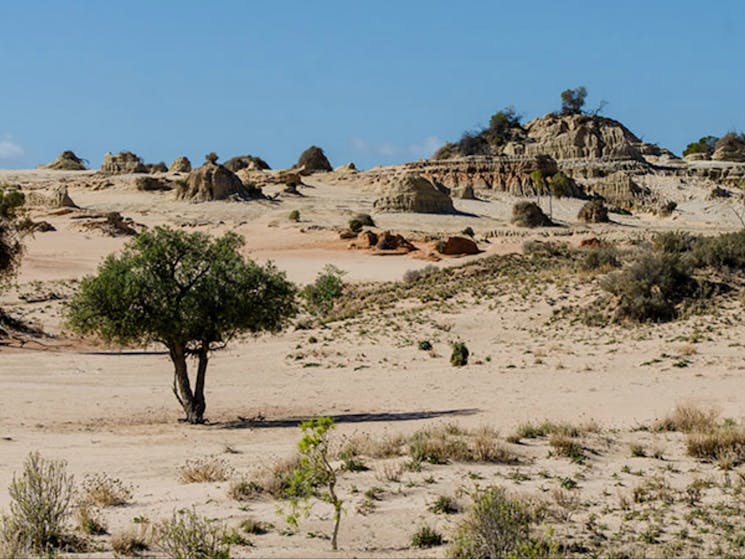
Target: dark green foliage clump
x: 11, y: 200
x: 425, y: 345
x: 600, y: 258
x: 723, y: 252
x: 187, y: 291
x: 426, y: 537
x: 704, y: 146
x: 674, y: 242
x: 294, y: 216
x: 651, y: 288
x: 235, y: 164
x: 468, y: 231
x: 320, y: 295
x: 572, y: 100
x: 459, y: 357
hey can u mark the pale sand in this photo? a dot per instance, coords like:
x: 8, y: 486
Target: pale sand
x: 109, y: 411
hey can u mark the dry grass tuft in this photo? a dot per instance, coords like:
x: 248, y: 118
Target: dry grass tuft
x: 688, y: 418
x: 725, y: 445
x: 244, y: 490
x: 103, y: 491
x: 277, y: 479
x: 201, y: 470
x: 450, y: 442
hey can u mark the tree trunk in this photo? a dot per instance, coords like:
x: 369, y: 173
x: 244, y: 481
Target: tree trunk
x: 181, y: 384
x: 199, y: 403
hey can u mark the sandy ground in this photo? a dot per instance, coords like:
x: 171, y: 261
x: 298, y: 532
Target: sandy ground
x: 110, y: 410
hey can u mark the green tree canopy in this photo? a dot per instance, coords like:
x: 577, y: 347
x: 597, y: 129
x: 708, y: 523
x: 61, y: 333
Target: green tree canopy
x: 572, y: 100
x: 187, y: 291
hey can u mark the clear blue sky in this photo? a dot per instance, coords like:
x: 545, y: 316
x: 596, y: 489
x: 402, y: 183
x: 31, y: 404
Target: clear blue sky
x: 369, y: 81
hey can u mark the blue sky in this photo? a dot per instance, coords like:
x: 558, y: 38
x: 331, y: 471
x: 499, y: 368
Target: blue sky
x: 370, y: 82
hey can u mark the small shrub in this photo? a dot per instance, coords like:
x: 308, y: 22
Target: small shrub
x: 40, y: 502
x: 187, y: 535
x: 593, y: 211
x: 468, y: 231
x: 637, y: 450
x: 411, y: 276
x: 687, y: 418
x: 495, y: 526
x: 255, y: 527
x: 425, y: 345
x: 104, y: 491
x: 130, y: 543
x: 426, y: 537
x: 529, y: 214
x: 355, y: 225
x: 365, y: 220
x: 244, y: 490
x: 201, y: 470
x: 277, y: 482
x: 89, y: 520
x: 603, y: 258
x: 313, y: 159
x: 445, y: 505
x: 320, y: 295
x: 666, y: 209
x: 234, y: 537
x: 650, y: 289
x: 294, y: 215
x: 723, y: 252
x: 459, y: 357
x: 674, y: 242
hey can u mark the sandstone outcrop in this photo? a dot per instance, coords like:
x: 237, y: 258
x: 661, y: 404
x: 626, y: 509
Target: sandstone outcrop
x: 313, y: 160
x: 414, y: 193
x: 212, y: 181
x: 122, y: 163
x: 388, y: 241
x: 529, y: 214
x: 66, y: 161
x: 730, y: 147
x: 152, y: 184
x: 250, y: 162
x: 457, y: 245
x: 58, y: 198
x: 180, y: 165
x: 593, y: 211
x: 620, y: 190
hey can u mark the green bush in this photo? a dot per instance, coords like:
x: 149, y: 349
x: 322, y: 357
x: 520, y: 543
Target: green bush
x: 495, y: 526
x: 355, y: 225
x: 365, y: 219
x: 426, y: 537
x: 294, y: 215
x: 705, y: 145
x: 572, y: 100
x: 40, y: 503
x: 600, y: 258
x: 186, y: 535
x: 674, y: 242
x: 459, y: 357
x: 468, y: 231
x: 650, y: 289
x: 425, y: 345
x: 726, y: 251
x: 320, y: 295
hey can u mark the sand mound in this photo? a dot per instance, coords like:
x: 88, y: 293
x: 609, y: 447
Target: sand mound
x: 413, y: 193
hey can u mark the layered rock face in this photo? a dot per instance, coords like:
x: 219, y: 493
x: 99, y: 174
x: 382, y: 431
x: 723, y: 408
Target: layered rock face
x: 58, y: 198
x: 730, y: 147
x: 620, y: 190
x: 578, y: 137
x: 122, y: 163
x: 413, y: 193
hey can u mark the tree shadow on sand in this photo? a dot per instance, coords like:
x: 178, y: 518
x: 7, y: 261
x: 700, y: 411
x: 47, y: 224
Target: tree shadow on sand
x: 260, y: 422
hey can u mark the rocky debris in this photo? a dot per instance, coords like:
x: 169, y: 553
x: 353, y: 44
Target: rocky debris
x: 347, y: 234
x: 180, y: 165
x: 529, y: 214
x: 593, y: 211
x: 212, y: 181
x: 620, y: 190
x: 457, y: 245
x: 66, y: 161
x: 313, y: 160
x: 696, y: 157
x: 42, y: 227
x: 124, y: 162
x: 58, y: 198
x: 414, y: 193
x: 250, y: 162
x: 112, y: 224
x: 153, y: 184
x: 159, y: 167
x: 730, y: 147
x: 388, y: 241
x: 718, y: 192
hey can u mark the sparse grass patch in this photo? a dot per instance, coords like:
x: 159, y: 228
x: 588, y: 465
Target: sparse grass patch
x: 130, y: 542
x: 201, y: 470
x: 277, y: 481
x: 244, y: 490
x: 447, y: 443
x: 255, y: 527
x: 89, y: 520
x: 445, y: 504
x: 687, y: 418
x: 567, y: 447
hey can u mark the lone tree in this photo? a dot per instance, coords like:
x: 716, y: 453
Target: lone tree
x: 187, y: 291
x: 572, y: 100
